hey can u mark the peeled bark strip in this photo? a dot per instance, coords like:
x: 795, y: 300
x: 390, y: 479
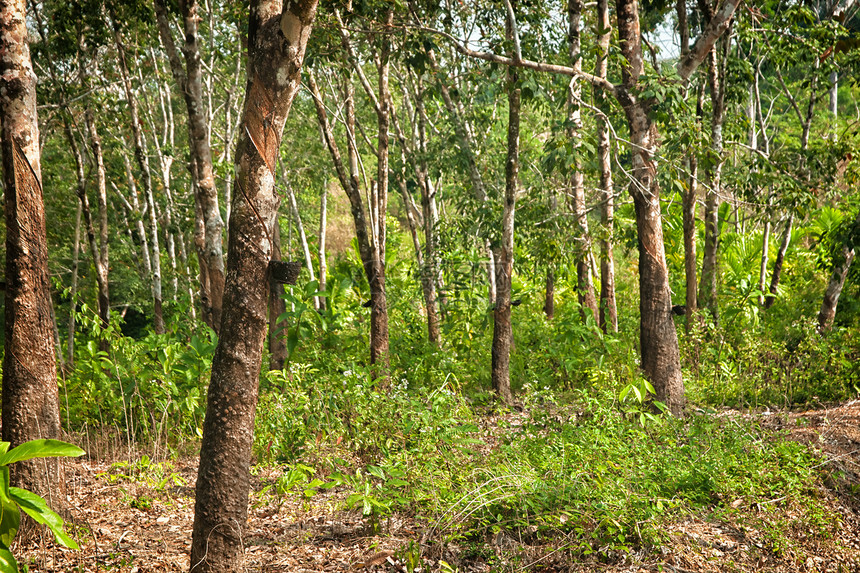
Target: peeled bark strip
x: 608, y: 312
x: 277, y: 35
x: 30, y: 399
x: 576, y: 180
x: 190, y: 82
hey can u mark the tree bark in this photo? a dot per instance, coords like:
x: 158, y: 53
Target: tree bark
x: 576, y: 179
x: 608, y: 313
x: 549, y: 294
x: 427, y: 258
x: 277, y: 36
x: 73, y: 291
x: 190, y: 82
x: 30, y: 407
x: 379, y: 208
x: 502, y: 329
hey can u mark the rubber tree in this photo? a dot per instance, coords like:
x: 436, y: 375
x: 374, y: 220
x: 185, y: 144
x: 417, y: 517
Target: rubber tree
x: 576, y: 177
x: 657, y: 336
x: 349, y: 176
x: 141, y: 155
x: 277, y: 36
x: 608, y: 312
x: 30, y: 397
x: 500, y: 373
x: 717, y: 65
x: 188, y: 74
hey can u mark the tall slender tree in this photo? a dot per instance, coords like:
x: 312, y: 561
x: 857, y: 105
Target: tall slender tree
x: 189, y: 77
x: 277, y: 36
x: 30, y: 397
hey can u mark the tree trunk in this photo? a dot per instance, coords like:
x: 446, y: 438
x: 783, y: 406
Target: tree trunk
x: 658, y: 339
x: 277, y: 36
x: 502, y: 330
x: 777, y: 264
x: 691, y: 263
x: 189, y: 79
x: 765, y: 253
x: 608, y: 314
x: 73, y: 291
x: 277, y: 307
x: 322, y: 233
x: 303, y: 239
x: 549, y: 295
x: 379, y: 208
x: 30, y: 398
x: 576, y: 179
x: 690, y: 194
x: 466, y: 148
x: 710, y: 266
x: 834, y: 289
x: 427, y: 258
x: 140, y: 155
x: 350, y: 181
x: 99, y: 250
x: 134, y: 209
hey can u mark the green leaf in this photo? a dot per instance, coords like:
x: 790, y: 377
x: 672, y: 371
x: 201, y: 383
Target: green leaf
x: 40, y: 449
x: 10, y: 516
x: 376, y: 471
x: 36, y: 507
x: 7, y: 561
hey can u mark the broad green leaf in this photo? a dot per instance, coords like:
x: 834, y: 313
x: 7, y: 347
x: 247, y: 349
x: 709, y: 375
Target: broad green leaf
x: 376, y: 471
x: 40, y: 449
x: 7, y: 561
x: 36, y: 507
x: 10, y: 520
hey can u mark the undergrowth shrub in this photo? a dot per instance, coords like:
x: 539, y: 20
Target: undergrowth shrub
x: 153, y: 389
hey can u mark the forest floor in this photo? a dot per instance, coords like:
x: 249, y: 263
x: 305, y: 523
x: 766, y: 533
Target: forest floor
x: 140, y: 521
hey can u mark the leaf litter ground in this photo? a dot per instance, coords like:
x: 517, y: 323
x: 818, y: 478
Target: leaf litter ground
x: 140, y: 522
